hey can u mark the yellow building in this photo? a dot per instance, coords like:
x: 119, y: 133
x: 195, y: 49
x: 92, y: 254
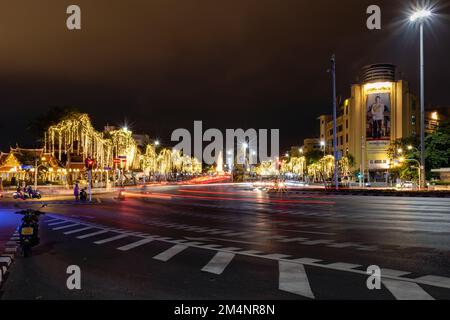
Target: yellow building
x: 380, y: 109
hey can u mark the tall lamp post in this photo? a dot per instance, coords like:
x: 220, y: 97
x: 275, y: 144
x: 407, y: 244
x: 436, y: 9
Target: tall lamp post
x: 419, y: 17
x: 333, y: 75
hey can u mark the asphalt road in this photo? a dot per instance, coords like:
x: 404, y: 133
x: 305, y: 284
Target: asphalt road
x: 233, y: 242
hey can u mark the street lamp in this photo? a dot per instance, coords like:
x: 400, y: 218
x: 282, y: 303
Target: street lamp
x: 322, y: 145
x: 156, y: 143
x: 420, y: 16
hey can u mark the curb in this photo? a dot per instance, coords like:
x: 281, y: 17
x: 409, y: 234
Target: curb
x: 7, y: 257
x: 378, y: 194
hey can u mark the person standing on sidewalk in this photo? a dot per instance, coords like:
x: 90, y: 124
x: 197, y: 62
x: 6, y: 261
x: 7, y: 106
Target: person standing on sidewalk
x: 76, y: 191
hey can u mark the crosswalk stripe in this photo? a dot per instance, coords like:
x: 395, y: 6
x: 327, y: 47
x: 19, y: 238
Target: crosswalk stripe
x: 276, y: 256
x: 393, y: 273
x: 68, y: 226
x: 169, y: 253
x: 135, y: 244
x: 405, y: 290
x: 293, y: 279
x: 6, y: 260
x: 78, y: 230
x: 92, y: 234
x: 436, y: 280
x: 219, y: 262
x: 60, y: 222
x: 120, y: 236
x: 343, y: 265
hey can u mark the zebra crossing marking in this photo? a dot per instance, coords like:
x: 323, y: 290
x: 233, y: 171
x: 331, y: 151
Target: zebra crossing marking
x: 219, y: 262
x: 343, y: 265
x: 92, y: 234
x: 135, y: 244
x: 293, y: 279
x: 78, y: 230
x: 120, y: 236
x: 56, y: 223
x: 67, y: 226
x: 404, y: 290
x: 435, y: 281
x: 169, y: 253
x: 400, y: 289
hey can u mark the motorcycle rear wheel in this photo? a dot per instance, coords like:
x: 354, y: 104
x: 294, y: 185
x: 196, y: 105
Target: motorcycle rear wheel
x: 26, y: 251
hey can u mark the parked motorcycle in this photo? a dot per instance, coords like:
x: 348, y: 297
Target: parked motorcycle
x: 24, y: 195
x: 29, y: 230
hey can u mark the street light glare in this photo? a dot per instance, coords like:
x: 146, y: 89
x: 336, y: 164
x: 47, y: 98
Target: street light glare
x: 421, y: 14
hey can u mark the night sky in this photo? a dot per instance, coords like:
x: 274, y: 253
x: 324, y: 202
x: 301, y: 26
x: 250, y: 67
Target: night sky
x: 161, y: 64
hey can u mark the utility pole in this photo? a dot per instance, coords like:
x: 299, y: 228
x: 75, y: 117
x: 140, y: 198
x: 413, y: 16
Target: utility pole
x: 333, y: 74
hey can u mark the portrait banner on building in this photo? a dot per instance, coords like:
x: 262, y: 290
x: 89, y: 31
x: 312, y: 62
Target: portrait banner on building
x: 378, y: 116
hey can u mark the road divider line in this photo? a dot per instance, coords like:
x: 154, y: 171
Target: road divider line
x: 120, y: 236
x: 219, y: 262
x: 171, y: 252
x: 293, y: 279
x: 135, y: 244
x: 92, y: 234
x: 403, y: 290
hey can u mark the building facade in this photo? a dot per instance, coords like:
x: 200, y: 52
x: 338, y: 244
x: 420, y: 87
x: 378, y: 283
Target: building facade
x: 379, y: 110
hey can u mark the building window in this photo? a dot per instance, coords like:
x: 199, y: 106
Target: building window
x: 346, y: 138
x: 341, y: 140
x: 346, y: 124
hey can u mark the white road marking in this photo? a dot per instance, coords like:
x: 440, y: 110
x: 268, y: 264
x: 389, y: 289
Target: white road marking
x: 343, y: 265
x: 435, y: 280
x: 135, y: 244
x: 293, y: 279
x: 251, y: 252
x: 68, y: 226
x: 405, y: 290
x: 78, y: 230
x: 293, y: 239
x: 393, y: 273
x: 276, y: 256
x: 6, y: 260
x: 92, y: 234
x: 169, y: 253
x: 219, y: 262
x: 306, y: 260
x: 60, y: 222
x: 231, y: 249
x: 10, y: 249
x: 120, y: 236
x: 11, y: 243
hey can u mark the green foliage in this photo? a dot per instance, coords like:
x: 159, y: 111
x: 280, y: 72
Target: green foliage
x: 437, y: 152
x: 40, y: 124
x: 313, y: 156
